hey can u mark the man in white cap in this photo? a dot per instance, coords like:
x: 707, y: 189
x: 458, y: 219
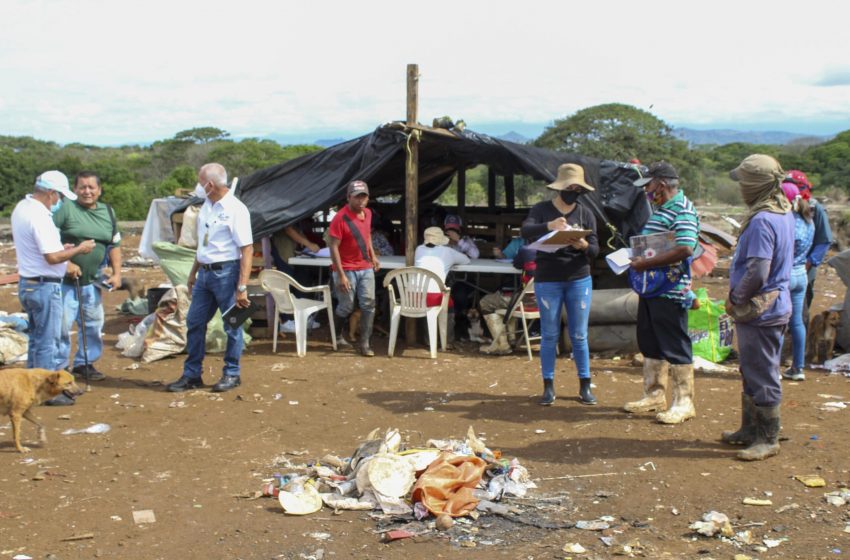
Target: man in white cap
x: 42, y: 262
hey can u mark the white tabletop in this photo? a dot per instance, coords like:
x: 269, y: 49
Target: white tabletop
x: 397, y: 261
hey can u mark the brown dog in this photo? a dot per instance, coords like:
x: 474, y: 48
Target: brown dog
x: 22, y: 389
x: 820, y: 342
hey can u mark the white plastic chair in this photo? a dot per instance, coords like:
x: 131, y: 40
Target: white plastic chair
x: 408, y: 299
x: 280, y: 285
x: 522, y: 311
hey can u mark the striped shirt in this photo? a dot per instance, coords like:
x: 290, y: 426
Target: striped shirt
x: 676, y: 215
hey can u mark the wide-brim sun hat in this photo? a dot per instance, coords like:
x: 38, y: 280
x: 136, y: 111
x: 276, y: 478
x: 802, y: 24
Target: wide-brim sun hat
x: 569, y: 174
x: 435, y: 236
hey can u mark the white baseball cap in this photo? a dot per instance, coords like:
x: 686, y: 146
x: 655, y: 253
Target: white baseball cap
x: 55, y: 181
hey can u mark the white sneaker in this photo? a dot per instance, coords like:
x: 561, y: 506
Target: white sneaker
x: 288, y: 327
x: 313, y: 325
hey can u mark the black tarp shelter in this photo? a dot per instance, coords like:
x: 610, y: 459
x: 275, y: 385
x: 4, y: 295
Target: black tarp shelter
x: 283, y: 194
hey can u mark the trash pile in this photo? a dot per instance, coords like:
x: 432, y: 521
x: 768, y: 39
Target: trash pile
x: 445, y: 482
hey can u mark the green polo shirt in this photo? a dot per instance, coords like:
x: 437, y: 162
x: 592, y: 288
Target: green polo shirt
x: 76, y: 224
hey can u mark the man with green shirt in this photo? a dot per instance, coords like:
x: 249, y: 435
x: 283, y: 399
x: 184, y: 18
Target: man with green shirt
x: 86, y: 218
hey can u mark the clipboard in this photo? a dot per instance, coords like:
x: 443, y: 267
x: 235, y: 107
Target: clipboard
x: 235, y: 316
x: 559, y: 239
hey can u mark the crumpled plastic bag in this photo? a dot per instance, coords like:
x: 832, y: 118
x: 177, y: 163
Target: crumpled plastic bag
x: 447, y: 485
x: 167, y: 335
x: 13, y: 344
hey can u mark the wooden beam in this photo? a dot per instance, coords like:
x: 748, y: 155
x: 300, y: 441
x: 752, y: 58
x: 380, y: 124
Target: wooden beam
x: 461, y: 193
x: 411, y: 185
x: 510, y: 196
x: 491, y: 188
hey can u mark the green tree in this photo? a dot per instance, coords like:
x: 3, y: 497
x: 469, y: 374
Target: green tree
x: 201, y: 135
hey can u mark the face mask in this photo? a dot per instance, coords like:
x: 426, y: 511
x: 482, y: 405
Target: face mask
x: 569, y: 197
x: 55, y: 208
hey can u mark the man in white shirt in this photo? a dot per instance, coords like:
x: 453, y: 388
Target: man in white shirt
x: 42, y: 262
x: 218, y: 279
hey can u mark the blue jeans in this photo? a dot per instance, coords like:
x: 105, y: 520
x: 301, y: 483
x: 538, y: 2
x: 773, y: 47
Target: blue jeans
x: 362, y: 287
x: 93, y: 316
x: 799, y: 283
x: 551, y: 297
x: 213, y: 290
x: 43, y: 305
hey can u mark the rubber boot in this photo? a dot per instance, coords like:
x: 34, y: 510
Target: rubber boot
x: 341, y: 338
x: 746, y: 434
x: 548, y: 393
x: 496, y: 326
x: 367, y: 319
x: 654, y: 388
x: 585, y: 395
x: 682, y: 381
x: 766, y: 442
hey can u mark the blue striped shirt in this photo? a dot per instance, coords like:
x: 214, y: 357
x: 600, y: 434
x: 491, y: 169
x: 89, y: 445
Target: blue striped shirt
x: 679, y: 216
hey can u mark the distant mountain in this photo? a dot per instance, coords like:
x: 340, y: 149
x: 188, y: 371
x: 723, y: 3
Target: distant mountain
x: 728, y: 136
x: 514, y: 137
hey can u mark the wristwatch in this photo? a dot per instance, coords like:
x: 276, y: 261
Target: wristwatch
x: 242, y: 288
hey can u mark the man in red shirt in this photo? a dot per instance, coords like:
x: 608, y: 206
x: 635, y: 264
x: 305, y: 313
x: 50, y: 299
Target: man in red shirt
x: 354, y: 262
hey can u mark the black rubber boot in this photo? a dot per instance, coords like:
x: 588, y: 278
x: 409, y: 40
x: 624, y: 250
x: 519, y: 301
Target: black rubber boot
x: 548, y: 392
x: 746, y: 434
x: 585, y: 395
x: 766, y: 442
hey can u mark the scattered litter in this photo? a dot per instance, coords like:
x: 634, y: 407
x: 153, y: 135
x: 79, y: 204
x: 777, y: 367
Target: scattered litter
x: 134, y: 365
x: 713, y: 523
x: 595, y: 525
x: 539, y: 431
x: 644, y: 466
x: 83, y: 537
x: 574, y: 548
x: 811, y: 480
x: 64, y: 417
x: 320, y: 536
x: 99, y: 428
x: 293, y: 402
x: 144, y: 516
x: 177, y: 404
x: 701, y: 365
x: 773, y: 543
x: 21, y: 557
x: 756, y: 502
x: 390, y: 536
x: 114, y: 395
x: 837, y: 498
x: 115, y: 518
x: 788, y: 507
x: 280, y: 366
x: 837, y: 405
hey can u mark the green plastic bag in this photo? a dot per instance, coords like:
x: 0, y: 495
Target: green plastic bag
x: 710, y: 328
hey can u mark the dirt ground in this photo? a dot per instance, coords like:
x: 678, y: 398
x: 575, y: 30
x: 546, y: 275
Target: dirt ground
x: 189, y: 464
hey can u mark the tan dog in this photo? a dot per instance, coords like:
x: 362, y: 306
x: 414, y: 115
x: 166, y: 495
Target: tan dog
x: 22, y: 389
x: 820, y: 342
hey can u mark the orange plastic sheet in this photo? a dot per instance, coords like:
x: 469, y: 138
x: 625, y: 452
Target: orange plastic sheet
x: 446, y: 485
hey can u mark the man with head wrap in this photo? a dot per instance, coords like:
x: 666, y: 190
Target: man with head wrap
x: 760, y: 302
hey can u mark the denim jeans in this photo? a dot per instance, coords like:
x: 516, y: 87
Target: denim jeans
x: 551, y: 297
x: 799, y: 283
x: 43, y: 305
x: 363, y: 288
x: 213, y: 290
x: 93, y: 316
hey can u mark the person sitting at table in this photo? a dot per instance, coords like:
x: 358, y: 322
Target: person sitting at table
x: 380, y: 240
x: 435, y: 255
x: 457, y: 241
x: 494, y: 306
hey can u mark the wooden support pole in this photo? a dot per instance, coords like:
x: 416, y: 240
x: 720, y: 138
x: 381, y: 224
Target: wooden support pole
x: 461, y: 193
x: 510, y: 193
x: 266, y: 243
x: 491, y: 188
x: 411, y: 184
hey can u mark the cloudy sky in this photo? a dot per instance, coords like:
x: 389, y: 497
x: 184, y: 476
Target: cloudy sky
x: 107, y: 72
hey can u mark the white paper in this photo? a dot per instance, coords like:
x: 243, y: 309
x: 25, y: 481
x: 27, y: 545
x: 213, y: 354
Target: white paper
x: 323, y: 252
x: 539, y: 246
x: 619, y: 261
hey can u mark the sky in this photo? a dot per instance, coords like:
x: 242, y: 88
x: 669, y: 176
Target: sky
x: 113, y: 72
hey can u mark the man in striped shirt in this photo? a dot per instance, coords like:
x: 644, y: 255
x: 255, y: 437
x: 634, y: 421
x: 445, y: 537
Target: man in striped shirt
x: 662, y: 323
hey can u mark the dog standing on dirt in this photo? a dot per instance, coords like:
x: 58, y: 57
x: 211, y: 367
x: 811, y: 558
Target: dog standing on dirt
x: 822, y: 332
x: 22, y: 389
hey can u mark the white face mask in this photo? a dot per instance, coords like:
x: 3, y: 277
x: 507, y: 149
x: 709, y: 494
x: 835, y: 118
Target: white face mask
x: 199, y: 191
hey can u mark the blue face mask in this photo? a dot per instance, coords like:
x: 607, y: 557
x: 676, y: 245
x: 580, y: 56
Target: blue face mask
x: 55, y: 208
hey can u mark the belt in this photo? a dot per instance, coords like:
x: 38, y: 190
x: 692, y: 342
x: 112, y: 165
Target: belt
x: 218, y: 265
x: 43, y: 279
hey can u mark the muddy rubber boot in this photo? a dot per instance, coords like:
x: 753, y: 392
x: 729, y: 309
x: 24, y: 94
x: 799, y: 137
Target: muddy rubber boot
x: 341, y: 339
x: 585, y: 395
x: 367, y: 320
x: 496, y: 326
x: 654, y: 388
x: 548, y: 393
x: 766, y: 442
x: 746, y: 434
x: 682, y: 381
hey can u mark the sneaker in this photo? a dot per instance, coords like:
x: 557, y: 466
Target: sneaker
x: 288, y: 327
x: 93, y: 374
x: 313, y: 324
x: 794, y: 374
x: 366, y: 351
